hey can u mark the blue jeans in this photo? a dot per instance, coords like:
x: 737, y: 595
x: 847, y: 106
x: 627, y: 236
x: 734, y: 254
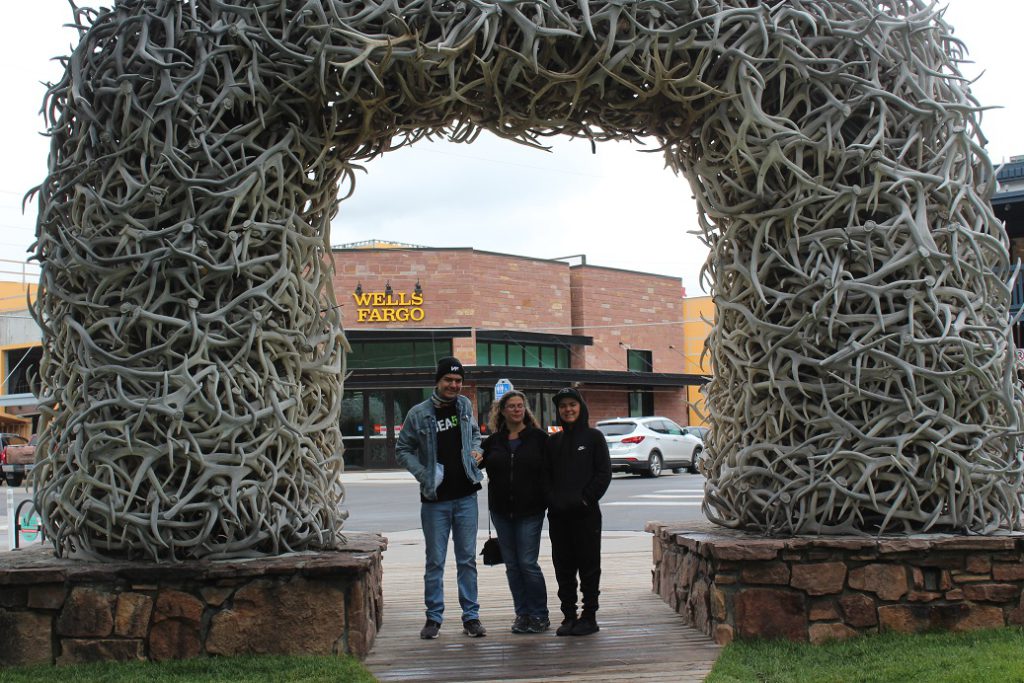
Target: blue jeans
x: 519, y: 538
x: 457, y: 519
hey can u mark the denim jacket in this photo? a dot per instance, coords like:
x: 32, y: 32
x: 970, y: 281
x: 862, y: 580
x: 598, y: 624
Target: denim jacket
x: 416, y: 449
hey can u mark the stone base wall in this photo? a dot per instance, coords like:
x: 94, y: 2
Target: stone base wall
x: 72, y: 611
x: 730, y: 584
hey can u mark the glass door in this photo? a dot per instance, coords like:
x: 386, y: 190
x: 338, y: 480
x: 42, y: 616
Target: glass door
x: 353, y: 429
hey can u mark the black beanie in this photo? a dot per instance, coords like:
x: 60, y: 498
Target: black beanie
x: 449, y: 366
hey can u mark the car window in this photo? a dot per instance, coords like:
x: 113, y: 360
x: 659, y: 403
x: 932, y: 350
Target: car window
x: 616, y: 428
x: 673, y: 428
x: 14, y: 440
x: 656, y: 426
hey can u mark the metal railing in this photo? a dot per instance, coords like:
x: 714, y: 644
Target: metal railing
x: 24, y: 522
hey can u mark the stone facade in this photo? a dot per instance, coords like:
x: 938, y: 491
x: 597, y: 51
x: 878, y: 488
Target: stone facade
x: 72, y: 611
x: 730, y: 584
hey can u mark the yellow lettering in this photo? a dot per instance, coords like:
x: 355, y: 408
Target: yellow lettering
x: 375, y: 316
x: 362, y: 315
x: 362, y: 299
x: 379, y: 299
x: 417, y: 299
x: 402, y: 315
x: 416, y: 314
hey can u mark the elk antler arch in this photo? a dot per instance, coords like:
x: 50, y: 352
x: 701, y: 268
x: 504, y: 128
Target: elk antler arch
x: 193, y: 357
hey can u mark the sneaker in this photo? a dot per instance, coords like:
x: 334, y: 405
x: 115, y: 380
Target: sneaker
x: 586, y: 625
x: 430, y: 630
x: 566, y: 628
x: 521, y: 624
x: 473, y: 628
x: 538, y: 624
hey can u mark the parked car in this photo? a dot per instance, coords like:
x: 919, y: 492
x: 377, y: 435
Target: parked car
x: 17, y: 457
x: 699, y: 432
x: 699, y: 458
x: 648, y: 445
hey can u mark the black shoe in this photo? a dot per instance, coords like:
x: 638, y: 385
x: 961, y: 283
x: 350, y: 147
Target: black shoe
x: 538, y: 624
x: 430, y: 630
x: 473, y: 628
x: 521, y: 624
x: 586, y: 625
x: 566, y: 628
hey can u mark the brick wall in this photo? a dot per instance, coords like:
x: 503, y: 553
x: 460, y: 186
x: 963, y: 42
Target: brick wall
x: 619, y: 306
x: 461, y: 288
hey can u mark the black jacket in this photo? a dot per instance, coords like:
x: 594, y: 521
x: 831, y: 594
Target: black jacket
x: 515, y: 485
x: 578, y: 467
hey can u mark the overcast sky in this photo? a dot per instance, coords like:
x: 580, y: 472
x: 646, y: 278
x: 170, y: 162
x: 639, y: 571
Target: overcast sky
x: 620, y: 206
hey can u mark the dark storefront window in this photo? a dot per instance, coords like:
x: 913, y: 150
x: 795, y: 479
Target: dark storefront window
x: 539, y: 402
x: 641, y: 403
x: 20, y: 364
x: 421, y: 353
x: 522, y: 355
x: 370, y: 422
x: 639, y: 361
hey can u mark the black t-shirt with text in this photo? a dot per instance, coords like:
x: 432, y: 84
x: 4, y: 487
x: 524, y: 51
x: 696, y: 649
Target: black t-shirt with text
x: 449, y: 456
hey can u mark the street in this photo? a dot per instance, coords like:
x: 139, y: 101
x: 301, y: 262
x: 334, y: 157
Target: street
x: 388, y: 502
x: 393, y: 505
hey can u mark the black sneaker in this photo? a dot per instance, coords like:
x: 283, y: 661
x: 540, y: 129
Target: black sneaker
x: 538, y: 624
x: 521, y: 624
x: 430, y: 630
x: 585, y: 626
x: 473, y: 628
x: 566, y: 628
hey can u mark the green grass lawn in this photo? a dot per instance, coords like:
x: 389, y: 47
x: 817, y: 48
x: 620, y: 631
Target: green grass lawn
x: 326, y: 669
x: 979, y: 657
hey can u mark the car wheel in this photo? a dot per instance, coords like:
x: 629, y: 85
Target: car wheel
x: 692, y: 469
x: 654, y: 464
x: 15, y: 480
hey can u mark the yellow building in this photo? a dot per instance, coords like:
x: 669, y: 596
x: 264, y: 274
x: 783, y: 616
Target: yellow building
x: 698, y: 316
x: 20, y: 350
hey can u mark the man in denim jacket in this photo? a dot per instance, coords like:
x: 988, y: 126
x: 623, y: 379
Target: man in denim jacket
x: 440, y: 445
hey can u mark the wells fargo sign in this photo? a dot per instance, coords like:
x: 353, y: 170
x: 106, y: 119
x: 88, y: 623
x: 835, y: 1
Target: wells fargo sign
x: 388, y: 306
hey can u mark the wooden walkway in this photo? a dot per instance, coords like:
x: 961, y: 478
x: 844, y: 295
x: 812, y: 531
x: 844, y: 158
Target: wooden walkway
x: 641, y: 638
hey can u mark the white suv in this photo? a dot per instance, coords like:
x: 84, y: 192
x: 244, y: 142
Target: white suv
x: 649, y: 444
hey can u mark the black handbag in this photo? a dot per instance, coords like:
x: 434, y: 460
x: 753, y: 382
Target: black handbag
x: 492, y: 551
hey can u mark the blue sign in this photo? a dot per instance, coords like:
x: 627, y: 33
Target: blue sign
x: 501, y: 387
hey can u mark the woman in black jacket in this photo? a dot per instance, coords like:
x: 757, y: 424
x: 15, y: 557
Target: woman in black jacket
x: 578, y: 472
x: 513, y: 457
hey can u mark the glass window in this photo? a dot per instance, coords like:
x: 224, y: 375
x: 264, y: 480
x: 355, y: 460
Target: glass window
x: 639, y: 361
x: 641, y: 403
x: 515, y: 355
x: 397, y: 354
x: 563, y: 357
x: 499, y: 354
x: 483, y: 353
x: 531, y: 356
x: 547, y: 357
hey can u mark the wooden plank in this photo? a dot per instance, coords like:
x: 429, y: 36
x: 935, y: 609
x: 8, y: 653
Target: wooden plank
x: 641, y: 638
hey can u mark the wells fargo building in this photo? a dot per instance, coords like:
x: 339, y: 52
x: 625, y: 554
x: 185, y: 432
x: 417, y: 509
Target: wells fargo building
x: 541, y: 324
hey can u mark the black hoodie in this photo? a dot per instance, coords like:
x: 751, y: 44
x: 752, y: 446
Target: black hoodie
x: 579, y: 469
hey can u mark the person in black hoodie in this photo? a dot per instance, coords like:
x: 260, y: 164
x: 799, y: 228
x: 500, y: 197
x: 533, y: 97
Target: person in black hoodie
x: 578, y: 472
x: 514, y: 457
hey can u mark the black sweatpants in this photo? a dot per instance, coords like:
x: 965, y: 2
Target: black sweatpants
x: 576, y: 550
